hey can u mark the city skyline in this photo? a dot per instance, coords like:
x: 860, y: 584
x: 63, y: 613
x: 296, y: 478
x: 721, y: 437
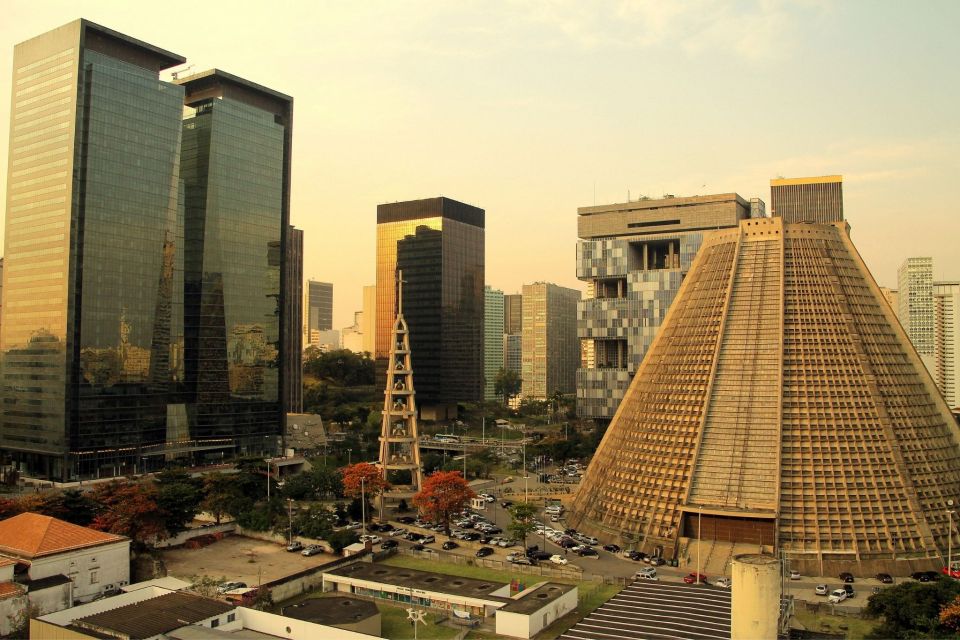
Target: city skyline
x: 561, y: 106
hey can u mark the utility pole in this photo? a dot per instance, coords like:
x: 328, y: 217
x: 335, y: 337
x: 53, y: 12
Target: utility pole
x: 363, y: 506
x: 525, y: 474
x: 699, y: 540
x: 290, y: 520
x: 268, y: 480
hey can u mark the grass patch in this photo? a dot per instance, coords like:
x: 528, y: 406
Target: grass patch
x: 856, y: 628
x: 394, y: 624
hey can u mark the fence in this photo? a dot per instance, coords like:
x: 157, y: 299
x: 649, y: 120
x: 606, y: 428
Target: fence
x: 567, y: 573
x: 189, y: 534
x: 307, y: 580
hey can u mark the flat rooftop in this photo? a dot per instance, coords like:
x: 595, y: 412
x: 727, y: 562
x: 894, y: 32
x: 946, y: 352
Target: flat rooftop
x: 423, y: 580
x: 538, y: 598
x: 332, y: 611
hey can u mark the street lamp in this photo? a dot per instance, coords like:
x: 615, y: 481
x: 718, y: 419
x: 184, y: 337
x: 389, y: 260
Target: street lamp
x: 349, y: 451
x: 290, y: 520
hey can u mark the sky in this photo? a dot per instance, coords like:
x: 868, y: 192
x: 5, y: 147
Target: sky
x: 532, y: 109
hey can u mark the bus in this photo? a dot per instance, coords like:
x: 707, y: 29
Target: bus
x: 447, y: 438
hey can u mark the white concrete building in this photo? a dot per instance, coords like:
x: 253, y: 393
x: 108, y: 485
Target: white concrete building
x: 64, y: 563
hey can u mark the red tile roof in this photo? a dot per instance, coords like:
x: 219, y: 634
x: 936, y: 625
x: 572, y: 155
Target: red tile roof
x: 31, y: 535
x: 6, y: 561
x: 9, y: 589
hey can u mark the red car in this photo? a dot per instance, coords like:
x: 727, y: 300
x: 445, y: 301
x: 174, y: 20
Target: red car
x: 690, y: 579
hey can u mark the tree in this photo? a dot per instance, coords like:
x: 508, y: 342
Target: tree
x: 913, y: 609
x: 507, y: 385
x: 179, y: 496
x: 342, y: 538
x: 522, y: 521
x: 71, y: 505
x: 218, y: 495
x: 950, y: 615
x: 444, y: 493
x: 364, y: 477
x: 206, y: 585
x: 129, y: 509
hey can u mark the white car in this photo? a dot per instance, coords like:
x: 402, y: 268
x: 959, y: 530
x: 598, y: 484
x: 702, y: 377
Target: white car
x: 821, y: 590
x: 556, y: 559
x: 374, y: 539
x: 723, y: 582
x: 397, y: 532
x: 837, y: 596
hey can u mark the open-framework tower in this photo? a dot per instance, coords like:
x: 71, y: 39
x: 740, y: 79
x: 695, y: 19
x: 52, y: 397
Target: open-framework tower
x: 399, y: 437
x: 781, y: 407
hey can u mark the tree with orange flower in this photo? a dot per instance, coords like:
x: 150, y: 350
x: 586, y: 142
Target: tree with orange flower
x: 444, y: 494
x: 363, y: 480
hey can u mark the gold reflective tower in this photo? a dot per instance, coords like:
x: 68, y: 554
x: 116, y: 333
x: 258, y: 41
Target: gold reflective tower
x: 399, y: 437
x: 780, y: 408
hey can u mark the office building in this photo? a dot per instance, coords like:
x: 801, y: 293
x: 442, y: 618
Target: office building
x: 892, y: 296
x: 513, y: 313
x: 807, y: 199
x: 293, y: 321
x: 633, y: 257
x: 106, y: 330
x: 319, y: 307
x: 144, y: 253
x: 946, y: 340
x: 438, y: 244
x: 351, y: 338
x: 780, y: 407
x: 915, y: 282
x: 513, y: 352
x: 325, y: 340
x: 550, y: 349
x: 369, y: 322
x: 236, y: 170
x: 493, y: 321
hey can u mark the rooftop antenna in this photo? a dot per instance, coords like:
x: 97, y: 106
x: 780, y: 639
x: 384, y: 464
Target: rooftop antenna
x: 175, y: 74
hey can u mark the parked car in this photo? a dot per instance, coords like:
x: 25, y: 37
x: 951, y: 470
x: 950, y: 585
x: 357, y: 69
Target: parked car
x: 483, y: 552
x: 794, y: 575
x: 418, y: 547
x: 647, y: 573
x: 522, y: 560
x: 612, y: 548
x: 849, y: 589
x: 389, y: 544
x: 230, y: 586
x: 885, y: 578
x: 449, y: 544
x: 427, y: 539
x: 657, y: 561
x: 636, y: 556
x: 312, y: 550
x: 925, y: 576
x: 296, y: 545
x: 723, y: 582
x: 406, y: 519
x: 541, y: 555
x: 821, y: 590
x: 397, y: 532
x: 692, y: 578
x: 506, y: 504
x: 588, y: 552
x: 846, y: 576
x: 837, y: 596
x: 386, y: 527
x: 557, y: 559
x: 374, y: 539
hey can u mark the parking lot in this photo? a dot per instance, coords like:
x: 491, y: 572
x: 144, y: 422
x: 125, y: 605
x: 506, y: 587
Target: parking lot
x: 241, y: 559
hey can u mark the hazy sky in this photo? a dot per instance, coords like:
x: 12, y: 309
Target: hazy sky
x: 531, y: 109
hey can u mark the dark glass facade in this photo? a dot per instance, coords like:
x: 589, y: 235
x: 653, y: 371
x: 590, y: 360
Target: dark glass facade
x: 233, y: 174
x: 319, y: 306
x: 293, y: 326
x: 123, y: 345
x: 438, y: 244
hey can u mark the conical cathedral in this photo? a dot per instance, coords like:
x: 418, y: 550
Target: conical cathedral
x: 781, y: 408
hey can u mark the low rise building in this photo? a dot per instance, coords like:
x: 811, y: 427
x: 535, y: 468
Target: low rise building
x: 343, y: 612
x: 60, y: 563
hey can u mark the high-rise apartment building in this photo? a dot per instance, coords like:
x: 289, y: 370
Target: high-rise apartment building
x: 492, y: 340
x: 319, y: 307
x: 293, y: 321
x: 438, y: 244
x: 915, y: 285
x: 368, y: 325
x: 152, y: 321
x: 550, y: 349
x: 817, y: 199
x: 513, y: 313
x: 633, y: 257
x: 946, y: 340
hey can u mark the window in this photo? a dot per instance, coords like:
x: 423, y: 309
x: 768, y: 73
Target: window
x: 94, y: 578
x: 231, y: 617
x: 215, y: 623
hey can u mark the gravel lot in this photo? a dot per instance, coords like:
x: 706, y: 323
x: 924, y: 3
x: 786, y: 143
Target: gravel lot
x: 238, y: 558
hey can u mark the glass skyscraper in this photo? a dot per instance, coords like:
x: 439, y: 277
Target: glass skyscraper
x: 438, y: 243
x: 96, y: 376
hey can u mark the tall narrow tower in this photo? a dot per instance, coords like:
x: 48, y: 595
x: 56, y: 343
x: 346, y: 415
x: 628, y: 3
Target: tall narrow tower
x: 399, y: 444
